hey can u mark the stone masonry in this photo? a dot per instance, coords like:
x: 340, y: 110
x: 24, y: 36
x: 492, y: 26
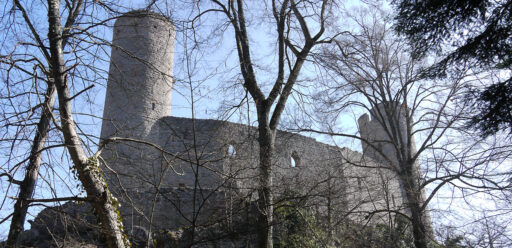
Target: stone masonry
x: 171, y: 172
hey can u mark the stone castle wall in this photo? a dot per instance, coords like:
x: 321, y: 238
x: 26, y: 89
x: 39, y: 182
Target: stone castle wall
x: 196, y: 157
x: 172, y: 172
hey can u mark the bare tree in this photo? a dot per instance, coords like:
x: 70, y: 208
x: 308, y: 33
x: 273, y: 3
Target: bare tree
x: 48, y: 45
x: 34, y: 160
x: 370, y: 69
x: 295, y: 41
x: 87, y: 168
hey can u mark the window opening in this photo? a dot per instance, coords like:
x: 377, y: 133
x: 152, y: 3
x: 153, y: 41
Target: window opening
x: 231, y: 151
x: 294, y: 160
x: 294, y: 164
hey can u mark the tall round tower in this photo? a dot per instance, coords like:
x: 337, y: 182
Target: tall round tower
x: 140, y: 76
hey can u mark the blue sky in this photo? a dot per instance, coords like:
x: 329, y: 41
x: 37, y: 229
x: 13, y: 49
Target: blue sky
x: 212, y: 80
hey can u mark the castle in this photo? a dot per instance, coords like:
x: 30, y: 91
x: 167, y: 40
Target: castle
x: 171, y: 172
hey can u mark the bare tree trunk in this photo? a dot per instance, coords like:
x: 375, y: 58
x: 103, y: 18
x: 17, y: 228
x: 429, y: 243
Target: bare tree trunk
x: 418, y: 227
x: 414, y: 203
x: 330, y: 229
x: 87, y: 169
x: 28, y: 184
x: 265, y: 200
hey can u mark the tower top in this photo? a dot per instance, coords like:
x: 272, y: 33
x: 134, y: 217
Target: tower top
x: 384, y: 131
x: 139, y: 13
x: 140, y: 75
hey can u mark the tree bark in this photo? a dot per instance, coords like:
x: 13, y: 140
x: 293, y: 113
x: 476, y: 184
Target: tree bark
x: 87, y: 169
x: 414, y: 203
x: 28, y: 184
x: 266, y: 140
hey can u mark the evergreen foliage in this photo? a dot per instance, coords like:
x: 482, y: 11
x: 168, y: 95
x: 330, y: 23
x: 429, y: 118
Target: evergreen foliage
x: 472, y: 34
x: 494, y: 109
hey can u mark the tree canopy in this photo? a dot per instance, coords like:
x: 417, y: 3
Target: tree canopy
x: 469, y: 34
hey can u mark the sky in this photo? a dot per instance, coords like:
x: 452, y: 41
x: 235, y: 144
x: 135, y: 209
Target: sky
x: 211, y: 80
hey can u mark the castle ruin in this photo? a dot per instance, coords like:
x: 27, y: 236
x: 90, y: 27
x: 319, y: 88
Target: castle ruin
x: 171, y: 172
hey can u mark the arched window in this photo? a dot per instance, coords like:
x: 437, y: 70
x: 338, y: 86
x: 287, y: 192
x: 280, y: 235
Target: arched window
x: 231, y: 151
x: 294, y: 160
